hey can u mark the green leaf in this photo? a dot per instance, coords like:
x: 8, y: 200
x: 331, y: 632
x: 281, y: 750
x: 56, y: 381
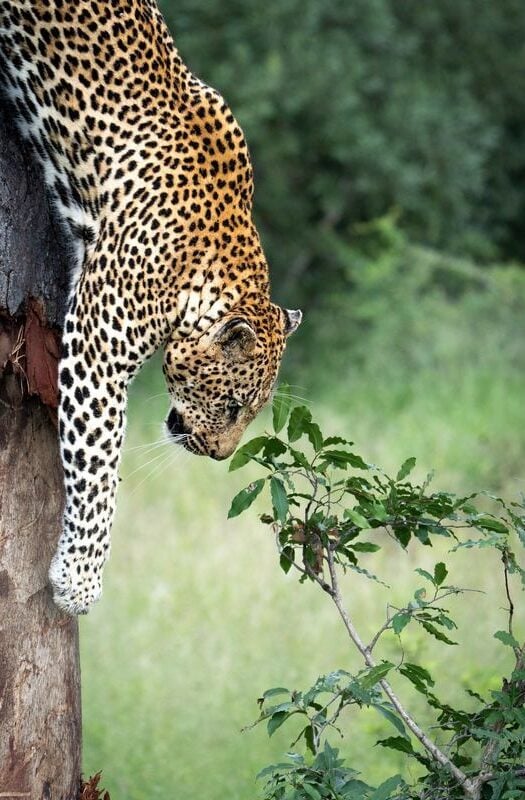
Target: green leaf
x: 299, y: 458
x: 364, y: 547
x: 279, y: 499
x: 299, y: 419
x: 402, y: 534
x: 309, y: 739
x: 436, y: 632
x: 276, y: 720
x: 245, y: 498
x: 506, y: 638
x: 343, y: 458
x: 397, y: 743
x: 314, y: 434
x: 245, y: 453
x: 392, y: 718
x: 418, y: 676
x: 375, y: 674
x: 490, y: 524
x: 275, y: 691
x: 281, y: 407
x: 384, y: 792
x: 273, y: 447
x: 286, y: 559
x: 335, y: 440
x: 357, y: 518
x: 311, y: 792
x: 440, y: 573
x: 424, y: 574
x: 406, y: 468
x: 400, y: 621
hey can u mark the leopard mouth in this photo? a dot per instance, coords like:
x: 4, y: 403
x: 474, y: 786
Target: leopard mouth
x: 182, y: 435
x: 175, y: 424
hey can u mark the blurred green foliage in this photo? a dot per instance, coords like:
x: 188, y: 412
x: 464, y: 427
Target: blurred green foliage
x: 409, y: 308
x: 354, y: 108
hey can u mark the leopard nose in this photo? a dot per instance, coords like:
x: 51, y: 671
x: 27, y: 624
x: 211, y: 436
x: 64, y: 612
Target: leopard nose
x: 175, y: 423
x: 223, y: 451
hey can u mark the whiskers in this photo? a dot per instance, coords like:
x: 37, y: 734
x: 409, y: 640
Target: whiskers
x: 160, y: 455
x: 286, y: 389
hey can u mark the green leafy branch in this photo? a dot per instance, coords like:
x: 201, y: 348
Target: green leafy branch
x: 328, y: 507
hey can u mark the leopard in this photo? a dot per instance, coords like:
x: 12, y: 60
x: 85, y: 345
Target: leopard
x: 149, y: 174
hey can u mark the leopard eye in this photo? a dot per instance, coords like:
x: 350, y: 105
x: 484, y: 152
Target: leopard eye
x: 233, y: 408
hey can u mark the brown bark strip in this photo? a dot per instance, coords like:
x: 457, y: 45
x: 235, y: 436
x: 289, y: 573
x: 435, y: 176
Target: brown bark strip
x: 42, y: 352
x: 40, y: 721
x: 39, y: 669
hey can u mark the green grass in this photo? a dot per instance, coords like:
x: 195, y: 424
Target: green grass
x: 197, y: 620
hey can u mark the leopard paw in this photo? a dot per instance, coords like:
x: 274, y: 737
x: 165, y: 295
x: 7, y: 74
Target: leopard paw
x: 76, y: 582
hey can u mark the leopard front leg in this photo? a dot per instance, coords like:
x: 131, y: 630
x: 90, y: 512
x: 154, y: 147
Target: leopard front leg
x: 100, y: 356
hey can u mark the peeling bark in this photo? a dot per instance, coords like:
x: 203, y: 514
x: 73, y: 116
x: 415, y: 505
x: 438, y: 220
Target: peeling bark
x: 40, y: 720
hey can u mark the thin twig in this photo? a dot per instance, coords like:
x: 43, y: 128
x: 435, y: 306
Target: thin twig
x: 429, y: 746
x: 507, y: 590
x: 407, y: 610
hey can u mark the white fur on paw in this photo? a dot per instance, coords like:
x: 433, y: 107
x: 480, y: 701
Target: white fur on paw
x: 74, y: 591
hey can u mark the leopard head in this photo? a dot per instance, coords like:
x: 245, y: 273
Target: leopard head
x: 219, y: 381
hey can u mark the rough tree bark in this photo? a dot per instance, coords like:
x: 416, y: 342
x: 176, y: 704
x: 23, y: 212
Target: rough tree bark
x: 40, y: 722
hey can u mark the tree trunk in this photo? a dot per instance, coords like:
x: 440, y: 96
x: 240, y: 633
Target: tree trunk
x: 40, y: 721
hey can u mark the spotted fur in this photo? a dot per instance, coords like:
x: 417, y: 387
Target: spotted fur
x: 150, y: 174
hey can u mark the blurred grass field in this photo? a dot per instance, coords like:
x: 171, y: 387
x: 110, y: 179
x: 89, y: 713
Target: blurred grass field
x: 197, y: 619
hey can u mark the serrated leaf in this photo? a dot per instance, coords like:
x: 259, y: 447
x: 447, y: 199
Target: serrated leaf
x: 436, y: 632
x: 245, y: 498
x: 397, y: 743
x: 375, y: 674
x: 299, y: 458
x: 343, y: 458
x: 506, y: 638
x: 273, y: 768
x: 400, y: 621
x: 276, y: 720
x: 299, y: 418
x: 440, y: 573
x: 273, y: 447
x: 418, y: 676
x: 281, y: 407
x: 367, y: 574
x: 392, y: 718
x: 384, y: 791
x: 406, y: 468
x: 314, y: 434
x: 335, y: 440
x: 245, y: 453
x: 490, y: 524
x: 279, y: 498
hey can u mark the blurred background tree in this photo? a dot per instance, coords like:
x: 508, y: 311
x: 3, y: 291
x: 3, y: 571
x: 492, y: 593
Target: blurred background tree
x: 354, y: 108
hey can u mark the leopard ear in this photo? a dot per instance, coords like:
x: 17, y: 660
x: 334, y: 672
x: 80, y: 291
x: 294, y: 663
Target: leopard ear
x: 236, y: 338
x: 292, y: 320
